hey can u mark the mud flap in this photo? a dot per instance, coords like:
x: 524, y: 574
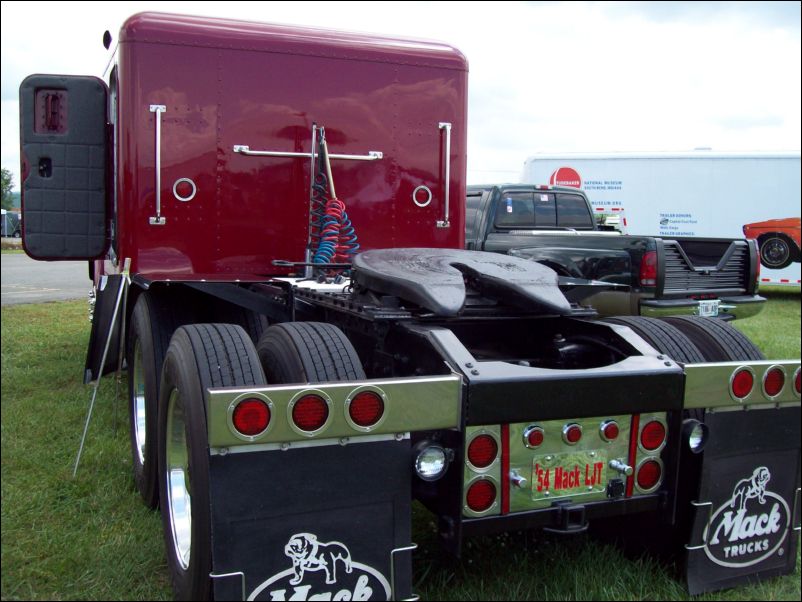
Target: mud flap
x: 312, y: 523
x: 107, y: 293
x: 746, y: 521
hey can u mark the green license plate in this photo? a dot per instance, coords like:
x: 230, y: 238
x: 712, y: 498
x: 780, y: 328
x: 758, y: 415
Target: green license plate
x: 569, y: 474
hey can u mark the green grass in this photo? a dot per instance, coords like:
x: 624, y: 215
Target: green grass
x: 91, y: 538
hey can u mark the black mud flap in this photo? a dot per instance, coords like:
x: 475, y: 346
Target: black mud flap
x: 316, y: 523
x: 747, y: 517
x: 107, y: 293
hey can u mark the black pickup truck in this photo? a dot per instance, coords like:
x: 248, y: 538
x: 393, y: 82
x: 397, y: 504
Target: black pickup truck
x: 556, y: 226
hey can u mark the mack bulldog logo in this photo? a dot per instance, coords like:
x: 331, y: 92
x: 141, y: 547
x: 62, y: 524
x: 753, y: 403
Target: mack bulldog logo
x: 322, y: 571
x: 750, y: 526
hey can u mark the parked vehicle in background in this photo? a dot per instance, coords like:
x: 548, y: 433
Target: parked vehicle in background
x: 275, y: 226
x: 11, y: 224
x: 698, y: 193
x: 778, y: 240
x: 665, y: 276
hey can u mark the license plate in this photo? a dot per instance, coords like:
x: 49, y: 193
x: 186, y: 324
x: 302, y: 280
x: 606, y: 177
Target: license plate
x: 708, y: 308
x: 569, y: 474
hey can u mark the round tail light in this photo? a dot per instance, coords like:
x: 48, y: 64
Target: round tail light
x: 366, y: 409
x: 653, y: 435
x: 251, y: 417
x: 533, y: 436
x: 482, y: 451
x: 609, y: 430
x: 797, y: 382
x: 742, y: 383
x: 481, y: 495
x: 572, y: 433
x: 773, y: 382
x: 310, y: 413
x: 649, y: 474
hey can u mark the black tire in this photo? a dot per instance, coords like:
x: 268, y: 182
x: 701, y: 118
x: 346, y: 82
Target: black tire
x: 775, y: 251
x: 717, y: 340
x: 307, y: 352
x: 153, y: 322
x: 664, y: 337
x: 199, y: 356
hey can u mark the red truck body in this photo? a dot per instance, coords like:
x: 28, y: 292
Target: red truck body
x: 371, y: 94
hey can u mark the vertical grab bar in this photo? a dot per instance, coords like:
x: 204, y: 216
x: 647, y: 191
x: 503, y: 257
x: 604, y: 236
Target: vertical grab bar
x: 444, y: 125
x: 158, y: 220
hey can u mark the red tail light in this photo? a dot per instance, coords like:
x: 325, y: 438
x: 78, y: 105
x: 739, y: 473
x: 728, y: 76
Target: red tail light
x: 653, y: 435
x: 773, y: 382
x: 251, y: 417
x: 742, y: 383
x: 366, y: 408
x: 482, y: 451
x: 648, y: 269
x: 310, y: 413
x: 572, y: 433
x: 649, y: 475
x: 533, y: 436
x: 481, y: 495
x: 797, y: 383
x: 609, y: 430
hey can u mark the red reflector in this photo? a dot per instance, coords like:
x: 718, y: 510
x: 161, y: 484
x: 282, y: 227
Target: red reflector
x: 774, y: 382
x: 482, y: 451
x: 572, y: 433
x: 652, y: 435
x: 610, y: 430
x: 310, y: 413
x: 481, y: 495
x: 649, y: 475
x: 742, y: 383
x: 797, y: 383
x: 366, y: 408
x: 535, y: 437
x: 184, y: 189
x: 648, y: 269
x: 251, y: 417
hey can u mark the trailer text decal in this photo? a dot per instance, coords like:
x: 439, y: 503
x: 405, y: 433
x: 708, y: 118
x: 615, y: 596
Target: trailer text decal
x: 750, y: 526
x: 322, y: 571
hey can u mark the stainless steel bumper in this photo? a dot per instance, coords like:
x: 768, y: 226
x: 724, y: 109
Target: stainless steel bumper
x: 739, y: 307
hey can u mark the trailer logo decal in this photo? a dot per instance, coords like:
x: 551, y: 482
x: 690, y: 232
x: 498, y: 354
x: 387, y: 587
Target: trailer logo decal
x: 566, y: 176
x: 750, y: 526
x: 316, y: 565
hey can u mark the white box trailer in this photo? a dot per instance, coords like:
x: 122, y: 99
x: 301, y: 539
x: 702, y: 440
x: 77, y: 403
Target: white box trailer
x: 695, y: 193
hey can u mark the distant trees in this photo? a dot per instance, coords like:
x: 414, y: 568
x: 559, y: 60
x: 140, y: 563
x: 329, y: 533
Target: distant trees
x: 8, y: 182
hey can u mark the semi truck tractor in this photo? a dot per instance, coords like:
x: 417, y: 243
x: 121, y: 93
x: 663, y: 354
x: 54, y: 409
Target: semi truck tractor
x: 274, y: 223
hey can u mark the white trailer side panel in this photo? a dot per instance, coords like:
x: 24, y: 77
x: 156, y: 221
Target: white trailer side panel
x: 684, y: 194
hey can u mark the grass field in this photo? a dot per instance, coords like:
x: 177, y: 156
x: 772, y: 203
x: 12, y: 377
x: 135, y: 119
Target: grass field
x: 90, y: 538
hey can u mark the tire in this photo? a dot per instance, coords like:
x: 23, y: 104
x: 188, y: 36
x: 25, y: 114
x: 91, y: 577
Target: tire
x: 664, y: 337
x: 716, y: 339
x: 152, y: 324
x: 199, y: 356
x: 16, y: 234
x: 775, y: 251
x: 307, y: 352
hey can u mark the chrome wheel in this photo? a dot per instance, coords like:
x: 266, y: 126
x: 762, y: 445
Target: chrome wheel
x: 179, y: 498
x: 140, y: 424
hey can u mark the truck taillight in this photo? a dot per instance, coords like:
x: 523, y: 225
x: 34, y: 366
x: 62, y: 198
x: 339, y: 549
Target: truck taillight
x: 653, y: 436
x: 366, y: 409
x: 482, y: 451
x: 773, y: 381
x: 251, y: 417
x: 481, y: 495
x: 797, y: 382
x: 649, y: 474
x: 572, y: 433
x: 533, y: 437
x: 741, y: 383
x: 648, y: 269
x: 310, y: 413
x: 609, y: 430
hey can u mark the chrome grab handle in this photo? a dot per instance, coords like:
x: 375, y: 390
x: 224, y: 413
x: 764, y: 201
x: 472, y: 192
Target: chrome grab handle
x: 158, y: 220
x: 444, y: 125
x: 243, y: 149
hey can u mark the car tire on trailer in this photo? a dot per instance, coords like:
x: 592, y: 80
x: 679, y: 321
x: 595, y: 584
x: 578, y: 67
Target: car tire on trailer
x: 307, y: 352
x: 200, y: 356
x: 717, y: 340
x: 775, y: 251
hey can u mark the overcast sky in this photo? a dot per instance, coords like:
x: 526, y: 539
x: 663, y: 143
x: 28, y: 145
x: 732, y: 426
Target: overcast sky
x: 545, y: 77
